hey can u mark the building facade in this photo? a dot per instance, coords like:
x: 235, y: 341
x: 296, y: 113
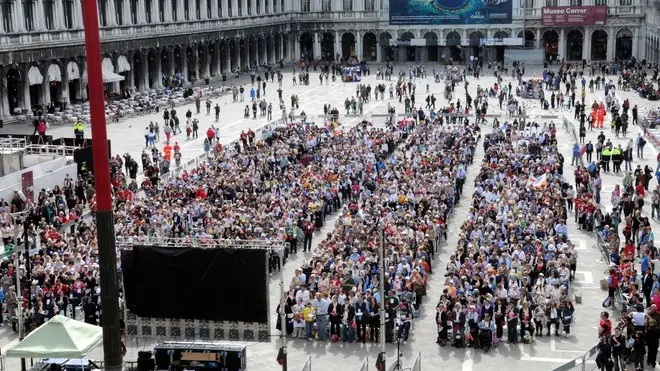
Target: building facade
x: 150, y: 42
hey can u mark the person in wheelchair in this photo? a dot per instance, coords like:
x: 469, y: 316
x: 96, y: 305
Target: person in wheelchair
x: 486, y: 328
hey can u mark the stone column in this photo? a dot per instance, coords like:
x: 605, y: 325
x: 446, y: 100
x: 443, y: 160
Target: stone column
x: 4, y: 105
x: 635, y: 45
x: 358, y: 47
x: 338, y: 49
x: 204, y: 11
x: 145, y: 71
x: 142, y: 19
x: 562, y: 43
x: 65, y: 83
x: 110, y: 13
x: 167, y: 12
x: 206, y: 73
x: 38, y: 19
x: 586, y: 44
x: 611, y: 43
x: 159, y: 71
x: 262, y: 5
x: 184, y: 64
x: 45, y: 88
x: 192, y: 9
x: 317, y: 46
x: 180, y: 11
x: 281, y: 48
x: 214, y: 8
x: 253, y: 7
x: 19, y: 22
x: 128, y: 14
x: 27, y: 104
x: 155, y: 12
x: 379, y: 50
x: 238, y: 55
x: 226, y: 54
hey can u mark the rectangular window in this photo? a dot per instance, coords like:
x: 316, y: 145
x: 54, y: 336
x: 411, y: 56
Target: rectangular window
x: 305, y: 6
x: 147, y: 10
x: 576, y: 2
x: 240, y: 7
x: 249, y: 7
x: 529, y: 4
x: 327, y: 5
x: 348, y: 5
x: 600, y: 2
x: 282, y: 7
x: 103, y: 19
x: 134, y: 11
x: 7, y: 15
x: 68, y: 13
x: 198, y: 9
x: 175, y: 9
x: 209, y: 9
x: 28, y: 15
x: 119, y: 7
x: 186, y: 10
x: 229, y: 13
x: 551, y: 2
x: 369, y: 5
x: 49, y: 8
x: 267, y: 6
x: 258, y: 5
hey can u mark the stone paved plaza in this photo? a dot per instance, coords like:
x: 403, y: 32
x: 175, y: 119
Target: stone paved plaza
x: 544, y: 354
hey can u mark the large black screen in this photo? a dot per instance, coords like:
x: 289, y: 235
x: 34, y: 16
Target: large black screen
x: 195, y: 283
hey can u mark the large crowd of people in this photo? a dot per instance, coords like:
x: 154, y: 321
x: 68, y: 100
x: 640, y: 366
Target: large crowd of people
x: 335, y: 295
x: 514, y: 264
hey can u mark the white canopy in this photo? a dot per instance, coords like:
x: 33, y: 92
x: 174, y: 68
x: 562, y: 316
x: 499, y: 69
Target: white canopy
x: 34, y: 76
x: 54, y: 73
x: 108, y: 76
x: 61, y: 337
x: 73, y: 70
x: 122, y: 64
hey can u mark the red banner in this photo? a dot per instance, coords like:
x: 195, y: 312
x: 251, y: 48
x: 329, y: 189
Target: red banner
x: 574, y: 15
x: 27, y: 183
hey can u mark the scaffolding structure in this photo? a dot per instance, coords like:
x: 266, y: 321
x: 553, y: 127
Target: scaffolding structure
x: 142, y: 330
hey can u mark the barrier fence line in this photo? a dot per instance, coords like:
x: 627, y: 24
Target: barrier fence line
x: 365, y: 364
x: 578, y: 364
x: 417, y: 364
x: 307, y: 366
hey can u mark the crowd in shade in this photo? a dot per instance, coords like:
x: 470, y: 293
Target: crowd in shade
x: 404, y: 205
x: 510, y: 277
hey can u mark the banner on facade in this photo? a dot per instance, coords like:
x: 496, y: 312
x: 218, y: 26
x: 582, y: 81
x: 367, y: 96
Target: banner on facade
x: 409, y: 12
x: 574, y: 15
x: 414, y: 42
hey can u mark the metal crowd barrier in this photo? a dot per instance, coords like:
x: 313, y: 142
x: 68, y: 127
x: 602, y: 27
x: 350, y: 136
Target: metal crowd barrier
x: 417, y: 364
x: 365, y: 364
x: 580, y: 363
x: 307, y: 366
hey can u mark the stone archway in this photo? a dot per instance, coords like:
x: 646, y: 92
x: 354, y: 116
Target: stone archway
x: 624, y: 44
x: 551, y: 44
x: 529, y: 39
x: 15, y: 91
x: 74, y: 83
x: 432, y: 49
x: 407, y: 52
x: 499, y: 47
x: 203, y: 61
x: 453, y: 40
x: 369, y: 47
x: 348, y: 43
x: 55, y: 83
x: 139, y: 65
x: 167, y: 67
x: 327, y: 46
x: 35, y: 81
x: 387, y: 50
x: 191, y: 62
x: 574, y: 43
x: 475, y: 45
x: 306, y: 45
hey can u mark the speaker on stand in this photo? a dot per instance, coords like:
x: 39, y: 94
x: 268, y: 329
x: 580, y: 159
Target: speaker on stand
x: 145, y: 361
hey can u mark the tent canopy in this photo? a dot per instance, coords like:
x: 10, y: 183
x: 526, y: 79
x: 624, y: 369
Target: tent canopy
x: 108, y: 76
x: 61, y: 337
